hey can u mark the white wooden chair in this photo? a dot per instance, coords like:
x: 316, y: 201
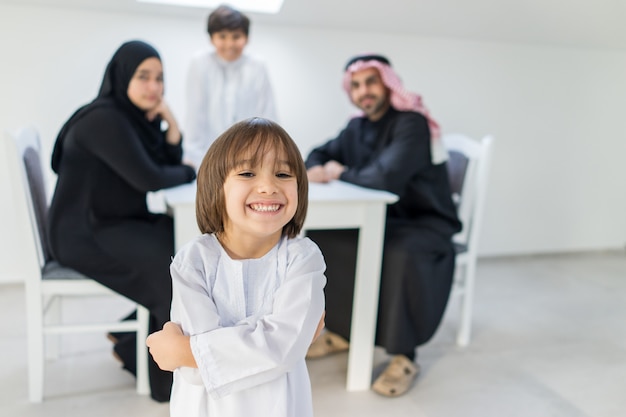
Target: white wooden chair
x: 46, y: 282
x: 468, y: 169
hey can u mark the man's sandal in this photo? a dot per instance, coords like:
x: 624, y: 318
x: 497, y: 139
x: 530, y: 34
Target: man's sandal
x: 397, y: 378
x: 327, y: 343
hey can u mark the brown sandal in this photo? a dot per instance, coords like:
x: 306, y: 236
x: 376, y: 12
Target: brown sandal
x: 397, y: 378
x: 327, y: 343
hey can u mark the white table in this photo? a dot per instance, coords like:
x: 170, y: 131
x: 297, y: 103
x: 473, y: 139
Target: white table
x: 337, y: 205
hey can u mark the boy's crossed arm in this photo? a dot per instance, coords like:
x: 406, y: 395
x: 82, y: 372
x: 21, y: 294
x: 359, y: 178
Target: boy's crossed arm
x: 171, y: 349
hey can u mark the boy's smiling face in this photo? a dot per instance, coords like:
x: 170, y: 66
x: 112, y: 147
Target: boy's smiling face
x: 260, y: 201
x: 229, y: 44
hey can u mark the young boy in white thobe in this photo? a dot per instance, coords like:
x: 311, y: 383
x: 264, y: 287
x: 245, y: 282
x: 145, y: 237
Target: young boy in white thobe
x: 247, y: 294
x: 223, y: 84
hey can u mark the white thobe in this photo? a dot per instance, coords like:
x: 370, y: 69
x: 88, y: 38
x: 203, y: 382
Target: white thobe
x: 251, y: 322
x: 220, y: 93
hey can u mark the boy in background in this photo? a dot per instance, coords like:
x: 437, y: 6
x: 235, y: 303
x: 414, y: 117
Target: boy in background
x: 224, y: 85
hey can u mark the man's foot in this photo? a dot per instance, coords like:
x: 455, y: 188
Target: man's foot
x: 327, y: 343
x: 397, y: 378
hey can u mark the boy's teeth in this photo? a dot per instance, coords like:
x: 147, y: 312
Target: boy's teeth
x: 261, y: 207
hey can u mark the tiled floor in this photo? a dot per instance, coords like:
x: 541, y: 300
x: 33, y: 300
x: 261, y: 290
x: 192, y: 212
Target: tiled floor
x: 549, y: 340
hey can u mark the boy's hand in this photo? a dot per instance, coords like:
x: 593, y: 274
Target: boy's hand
x: 170, y: 348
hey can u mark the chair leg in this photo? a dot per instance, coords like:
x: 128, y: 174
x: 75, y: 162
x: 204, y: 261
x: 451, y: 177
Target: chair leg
x: 465, y: 327
x: 53, y: 312
x: 143, y: 318
x: 34, y: 329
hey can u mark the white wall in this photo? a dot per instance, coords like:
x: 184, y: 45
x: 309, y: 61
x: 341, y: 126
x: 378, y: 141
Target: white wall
x: 557, y: 180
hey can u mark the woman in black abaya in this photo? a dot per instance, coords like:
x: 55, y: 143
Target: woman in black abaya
x: 108, y: 155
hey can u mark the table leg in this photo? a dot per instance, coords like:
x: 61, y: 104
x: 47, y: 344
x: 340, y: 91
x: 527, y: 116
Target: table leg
x: 366, y: 288
x: 184, y: 229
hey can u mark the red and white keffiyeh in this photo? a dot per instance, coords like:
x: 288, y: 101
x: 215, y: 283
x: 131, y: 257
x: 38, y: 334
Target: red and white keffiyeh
x: 400, y: 98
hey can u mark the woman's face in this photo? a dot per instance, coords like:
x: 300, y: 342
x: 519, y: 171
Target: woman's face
x: 145, y: 89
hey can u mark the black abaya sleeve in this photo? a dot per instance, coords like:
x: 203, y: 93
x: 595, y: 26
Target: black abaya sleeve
x: 107, y: 134
x: 404, y: 152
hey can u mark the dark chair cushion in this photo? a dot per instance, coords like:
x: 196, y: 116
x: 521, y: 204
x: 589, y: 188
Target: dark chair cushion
x: 457, y: 167
x: 459, y: 248
x: 37, y: 187
x: 54, y: 270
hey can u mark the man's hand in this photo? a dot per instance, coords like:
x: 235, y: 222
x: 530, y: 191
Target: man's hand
x: 330, y: 171
x: 333, y: 170
x: 317, y: 174
x: 170, y: 348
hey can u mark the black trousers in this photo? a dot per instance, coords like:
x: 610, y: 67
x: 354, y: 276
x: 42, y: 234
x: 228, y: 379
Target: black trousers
x: 132, y: 257
x: 417, y: 273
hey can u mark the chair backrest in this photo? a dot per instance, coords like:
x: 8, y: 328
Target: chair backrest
x: 29, y: 192
x: 457, y: 168
x: 468, y: 169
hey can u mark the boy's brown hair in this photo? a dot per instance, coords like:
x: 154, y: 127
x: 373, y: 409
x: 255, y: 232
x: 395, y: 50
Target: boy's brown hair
x: 227, y: 18
x: 255, y: 137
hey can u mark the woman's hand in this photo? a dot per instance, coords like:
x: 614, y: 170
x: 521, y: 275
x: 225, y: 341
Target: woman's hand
x: 172, y: 136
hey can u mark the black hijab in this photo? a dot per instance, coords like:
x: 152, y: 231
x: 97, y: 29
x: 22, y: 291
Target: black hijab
x: 113, y: 93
